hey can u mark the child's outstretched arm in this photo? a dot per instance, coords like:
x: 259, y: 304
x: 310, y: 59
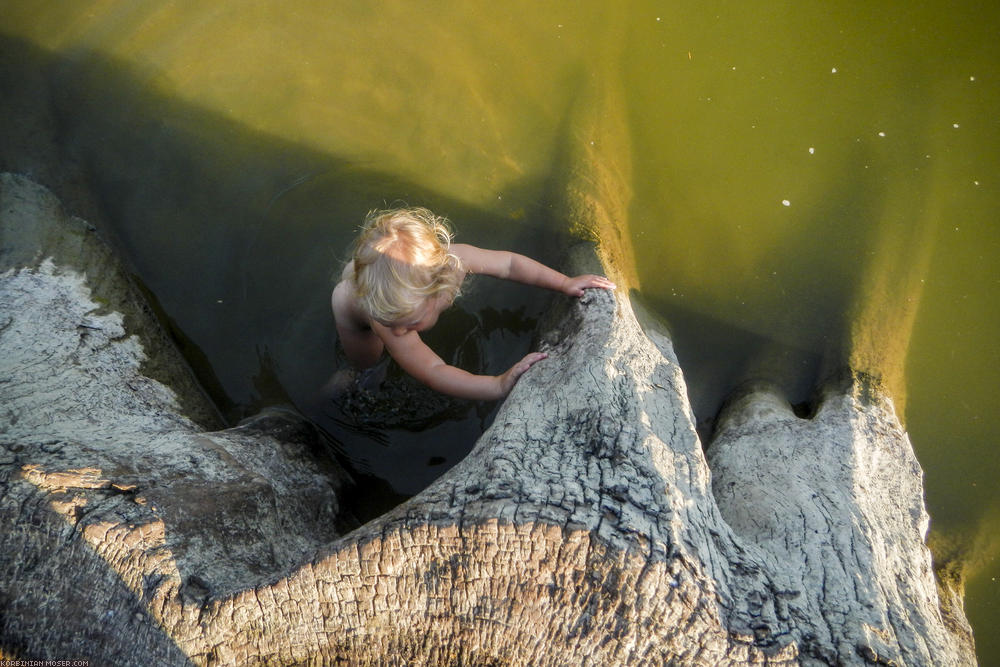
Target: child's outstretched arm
x: 421, y: 362
x: 512, y: 266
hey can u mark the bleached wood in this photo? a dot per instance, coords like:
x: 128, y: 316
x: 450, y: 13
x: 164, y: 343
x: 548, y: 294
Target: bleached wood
x: 586, y: 527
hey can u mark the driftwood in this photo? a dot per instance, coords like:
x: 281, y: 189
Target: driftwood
x: 587, y: 526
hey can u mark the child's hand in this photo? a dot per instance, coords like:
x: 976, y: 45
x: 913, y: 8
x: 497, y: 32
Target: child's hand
x: 509, y: 379
x: 575, y: 286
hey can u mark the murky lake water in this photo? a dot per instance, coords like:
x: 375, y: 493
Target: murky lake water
x: 810, y: 186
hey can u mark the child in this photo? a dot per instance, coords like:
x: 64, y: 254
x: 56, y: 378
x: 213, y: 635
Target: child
x: 404, y: 272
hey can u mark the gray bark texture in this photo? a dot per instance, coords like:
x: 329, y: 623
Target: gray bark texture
x: 587, y: 526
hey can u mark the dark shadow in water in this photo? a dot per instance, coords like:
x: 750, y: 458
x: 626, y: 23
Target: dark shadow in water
x: 236, y: 237
x: 725, y: 358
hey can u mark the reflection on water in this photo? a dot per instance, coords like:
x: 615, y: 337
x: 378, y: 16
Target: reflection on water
x: 797, y: 188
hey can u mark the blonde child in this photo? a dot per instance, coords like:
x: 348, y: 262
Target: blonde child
x: 404, y: 272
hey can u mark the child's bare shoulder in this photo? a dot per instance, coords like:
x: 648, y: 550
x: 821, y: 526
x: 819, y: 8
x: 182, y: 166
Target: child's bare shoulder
x: 345, y: 306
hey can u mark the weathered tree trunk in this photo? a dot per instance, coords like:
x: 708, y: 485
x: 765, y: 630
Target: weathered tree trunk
x: 586, y: 527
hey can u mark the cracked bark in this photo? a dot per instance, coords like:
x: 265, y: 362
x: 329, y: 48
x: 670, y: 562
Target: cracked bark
x: 587, y: 526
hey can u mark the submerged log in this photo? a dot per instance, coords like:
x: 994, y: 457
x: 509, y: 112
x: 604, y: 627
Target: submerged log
x: 587, y: 526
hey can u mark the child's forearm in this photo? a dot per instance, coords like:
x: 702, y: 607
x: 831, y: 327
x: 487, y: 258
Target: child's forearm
x: 456, y: 382
x: 526, y: 270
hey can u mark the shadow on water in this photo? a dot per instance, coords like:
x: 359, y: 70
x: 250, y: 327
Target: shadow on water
x: 725, y: 357
x: 237, y: 238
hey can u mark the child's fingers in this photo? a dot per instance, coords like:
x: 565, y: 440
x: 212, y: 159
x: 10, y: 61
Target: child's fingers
x: 517, y: 370
x: 531, y: 359
x: 528, y: 361
x: 592, y: 282
x: 601, y: 281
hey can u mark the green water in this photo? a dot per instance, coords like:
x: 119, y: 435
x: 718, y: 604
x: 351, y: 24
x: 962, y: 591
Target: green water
x: 807, y: 186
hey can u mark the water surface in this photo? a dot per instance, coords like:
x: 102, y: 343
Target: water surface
x: 806, y: 187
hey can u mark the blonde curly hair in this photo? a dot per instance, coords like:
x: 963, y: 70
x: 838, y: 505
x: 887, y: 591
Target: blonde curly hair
x: 402, y: 258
